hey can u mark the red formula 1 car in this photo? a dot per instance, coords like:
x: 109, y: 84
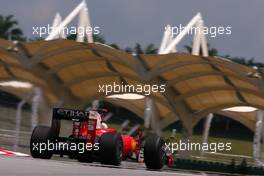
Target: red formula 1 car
x: 91, y: 140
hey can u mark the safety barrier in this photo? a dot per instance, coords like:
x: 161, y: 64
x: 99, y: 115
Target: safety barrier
x: 217, y: 167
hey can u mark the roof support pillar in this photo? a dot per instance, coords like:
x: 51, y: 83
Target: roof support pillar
x: 150, y: 116
x: 184, y: 152
x: 262, y: 148
x: 173, y: 133
x: 179, y: 37
x: 133, y: 130
x: 167, y: 39
x: 108, y: 116
x: 95, y: 104
x: 56, y: 21
x: 66, y: 21
x: 207, y: 125
x: 36, y: 101
x: 84, y: 22
x: 124, y: 125
x: 257, y: 136
x: 19, y: 118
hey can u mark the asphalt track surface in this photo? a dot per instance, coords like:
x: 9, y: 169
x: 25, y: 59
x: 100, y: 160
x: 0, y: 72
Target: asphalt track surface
x: 27, y: 166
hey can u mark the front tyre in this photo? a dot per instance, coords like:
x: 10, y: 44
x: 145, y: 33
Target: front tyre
x: 154, y: 154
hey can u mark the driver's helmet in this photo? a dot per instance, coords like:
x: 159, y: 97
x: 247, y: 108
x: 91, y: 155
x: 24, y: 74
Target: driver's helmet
x: 104, y: 125
x: 97, y: 116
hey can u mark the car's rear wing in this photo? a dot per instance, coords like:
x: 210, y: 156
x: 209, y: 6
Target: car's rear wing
x: 70, y: 114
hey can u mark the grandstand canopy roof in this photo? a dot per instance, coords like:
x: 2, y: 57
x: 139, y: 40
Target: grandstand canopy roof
x: 195, y: 86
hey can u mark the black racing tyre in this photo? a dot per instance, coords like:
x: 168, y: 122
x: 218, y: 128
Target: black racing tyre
x: 154, y: 154
x: 40, y: 135
x: 111, y: 148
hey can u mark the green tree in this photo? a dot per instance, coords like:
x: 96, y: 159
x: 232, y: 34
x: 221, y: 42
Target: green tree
x: 99, y: 38
x: 240, y: 60
x: 244, y: 61
x: 9, y: 29
x: 149, y: 49
x: 96, y: 38
x: 138, y: 49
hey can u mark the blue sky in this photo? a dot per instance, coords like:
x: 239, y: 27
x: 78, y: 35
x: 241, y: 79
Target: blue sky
x: 126, y: 22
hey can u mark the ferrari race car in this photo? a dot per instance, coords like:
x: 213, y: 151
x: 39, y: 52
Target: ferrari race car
x: 91, y: 140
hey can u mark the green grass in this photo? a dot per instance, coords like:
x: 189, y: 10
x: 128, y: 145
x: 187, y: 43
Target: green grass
x: 241, y: 148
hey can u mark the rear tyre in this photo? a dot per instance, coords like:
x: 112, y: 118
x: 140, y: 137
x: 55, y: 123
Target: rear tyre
x: 111, y: 148
x: 40, y: 135
x: 154, y: 154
